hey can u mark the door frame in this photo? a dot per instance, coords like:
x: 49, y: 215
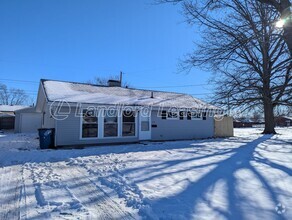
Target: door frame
x: 144, y: 135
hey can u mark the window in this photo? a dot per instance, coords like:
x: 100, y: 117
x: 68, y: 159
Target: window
x: 163, y: 114
x: 110, y: 123
x: 204, y: 115
x: 129, y: 121
x: 181, y: 115
x: 194, y: 115
x: 145, y: 123
x: 189, y: 116
x: 172, y: 115
x: 89, y: 124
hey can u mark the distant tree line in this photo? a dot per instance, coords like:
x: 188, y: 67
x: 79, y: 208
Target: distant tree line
x: 12, y: 96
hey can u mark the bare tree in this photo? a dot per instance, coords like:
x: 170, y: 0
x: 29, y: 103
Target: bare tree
x: 256, y: 116
x: 283, y: 7
x: 12, y: 96
x: 289, y: 111
x: 241, y: 44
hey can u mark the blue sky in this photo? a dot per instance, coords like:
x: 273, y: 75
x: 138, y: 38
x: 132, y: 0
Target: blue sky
x: 76, y: 40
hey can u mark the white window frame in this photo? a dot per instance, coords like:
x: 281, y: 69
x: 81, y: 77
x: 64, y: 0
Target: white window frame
x: 81, y: 127
x: 196, y: 118
x: 172, y: 118
x: 100, y: 125
x: 118, y: 122
x: 136, y: 124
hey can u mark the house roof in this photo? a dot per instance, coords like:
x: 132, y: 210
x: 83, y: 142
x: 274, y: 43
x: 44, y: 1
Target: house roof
x: 104, y: 95
x: 4, y: 115
x: 286, y: 117
x: 11, y: 108
x: 30, y: 109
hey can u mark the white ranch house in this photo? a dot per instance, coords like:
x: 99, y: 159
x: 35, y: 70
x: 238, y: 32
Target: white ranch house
x: 84, y: 114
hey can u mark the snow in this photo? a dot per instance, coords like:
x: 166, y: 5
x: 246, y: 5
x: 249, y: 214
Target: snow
x: 247, y: 176
x: 93, y: 94
x: 11, y: 108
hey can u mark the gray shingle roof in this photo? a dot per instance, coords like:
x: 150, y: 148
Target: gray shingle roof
x: 93, y: 94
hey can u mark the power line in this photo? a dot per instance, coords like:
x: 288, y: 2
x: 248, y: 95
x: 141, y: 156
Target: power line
x: 209, y: 93
x: 144, y: 87
x: 17, y: 80
x: 173, y: 86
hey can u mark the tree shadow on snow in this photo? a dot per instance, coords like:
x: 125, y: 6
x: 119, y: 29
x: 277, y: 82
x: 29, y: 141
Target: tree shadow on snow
x: 184, y: 203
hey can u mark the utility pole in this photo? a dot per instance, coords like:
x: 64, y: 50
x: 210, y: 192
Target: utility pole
x: 121, y: 77
x: 228, y: 104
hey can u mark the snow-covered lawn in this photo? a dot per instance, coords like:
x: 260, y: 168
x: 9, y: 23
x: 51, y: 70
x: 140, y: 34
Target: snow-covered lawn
x: 244, y: 177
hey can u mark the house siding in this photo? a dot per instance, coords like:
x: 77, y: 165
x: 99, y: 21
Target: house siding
x: 27, y: 121
x: 48, y: 120
x: 68, y: 130
x: 17, y: 123
x: 68, y: 133
x: 175, y: 129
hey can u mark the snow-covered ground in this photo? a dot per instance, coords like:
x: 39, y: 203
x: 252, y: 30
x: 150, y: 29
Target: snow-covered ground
x: 244, y: 177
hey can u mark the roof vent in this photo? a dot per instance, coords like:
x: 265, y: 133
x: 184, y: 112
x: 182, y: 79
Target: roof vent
x: 152, y: 96
x: 113, y: 83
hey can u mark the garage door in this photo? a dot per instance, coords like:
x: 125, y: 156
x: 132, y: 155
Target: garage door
x: 30, y: 122
x: 6, y: 122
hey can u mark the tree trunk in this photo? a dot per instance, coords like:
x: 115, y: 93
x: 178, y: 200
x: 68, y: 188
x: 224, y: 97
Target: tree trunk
x: 269, y: 118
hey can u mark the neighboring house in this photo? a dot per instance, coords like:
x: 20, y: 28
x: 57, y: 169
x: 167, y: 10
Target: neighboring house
x: 27, y: 120
x: 7, y: 115
x: 283, y: 121
x: 247, y: 123
x: 242, y: 123
x: 90, y: 114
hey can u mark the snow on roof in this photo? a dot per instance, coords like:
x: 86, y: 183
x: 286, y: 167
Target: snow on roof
x: 11, y: 108
x: 287, y: 117
x: 94, y: 94
x: 4, y: 115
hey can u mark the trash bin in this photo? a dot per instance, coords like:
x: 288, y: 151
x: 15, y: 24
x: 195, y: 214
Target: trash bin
x: 47, y: 137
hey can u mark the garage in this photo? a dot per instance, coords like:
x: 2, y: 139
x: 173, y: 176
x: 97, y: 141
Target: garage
x: 27, y: 120
x: 7, y: 116
x: 6, y: 122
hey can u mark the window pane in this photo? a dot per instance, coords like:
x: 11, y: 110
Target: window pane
x: 181, y: 115
x: 111, y: 119
x: 111, y: 130
x: 204, y: 115
x: 89, y: 120
x: 89, y: 124
x: 128, y: 129
x: 88, y: 113
x: 145, y: 126
x: 172, y: 114
x: 193, y: 115
x: 163, y: 114
x: 128, y: 116
x: 189, y: 116
x: 128, y: 123
x: 196, y: 115
x: 110, y: 124
x: 89, y: 130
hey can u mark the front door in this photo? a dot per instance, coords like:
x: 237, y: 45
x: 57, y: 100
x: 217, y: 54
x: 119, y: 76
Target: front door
x: 144, y: 125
